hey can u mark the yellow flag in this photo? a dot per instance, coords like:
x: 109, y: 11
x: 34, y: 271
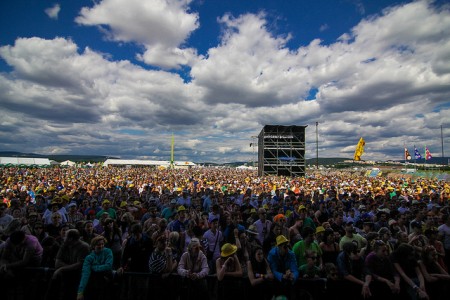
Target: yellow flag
x: 359, y: 149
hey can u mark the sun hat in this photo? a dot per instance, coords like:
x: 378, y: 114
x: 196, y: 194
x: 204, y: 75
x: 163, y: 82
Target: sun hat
x: 252, y: 230
x: 281, y: 239
x: 301, y: 207
x: 228, y: 250
x: 320, y: 229
x: 181, y: 208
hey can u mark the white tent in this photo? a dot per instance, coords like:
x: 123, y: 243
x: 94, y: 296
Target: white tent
x: 27, y: 161
x: 68, y: 163
x: 136, y: 162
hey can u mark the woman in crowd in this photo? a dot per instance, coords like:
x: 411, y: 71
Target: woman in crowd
x: 96, y: 272
x: 229, y: 267
x: 113, y: 237
x: 260, y: 276
x: 329, y: 246
x: 88, y: 232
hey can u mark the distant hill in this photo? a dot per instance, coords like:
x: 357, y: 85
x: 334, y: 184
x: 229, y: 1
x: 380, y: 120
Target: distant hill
x: 58, y: 158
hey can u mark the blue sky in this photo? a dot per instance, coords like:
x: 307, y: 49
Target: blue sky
x: 117, y: 77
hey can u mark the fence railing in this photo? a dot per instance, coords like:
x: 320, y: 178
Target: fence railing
x: 32, y: 283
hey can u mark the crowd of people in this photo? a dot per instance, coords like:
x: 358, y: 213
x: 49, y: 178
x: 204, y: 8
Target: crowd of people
x: 365, y: 237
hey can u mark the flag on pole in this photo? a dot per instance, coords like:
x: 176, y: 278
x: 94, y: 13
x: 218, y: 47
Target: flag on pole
x: 427, y: 154
x: 416, y: 153
x: 407, y: 155
x: 359, y: 149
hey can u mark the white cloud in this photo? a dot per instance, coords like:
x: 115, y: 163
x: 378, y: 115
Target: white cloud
x: 159, y: 25
x: 52, y: 12
x: 383, y: 81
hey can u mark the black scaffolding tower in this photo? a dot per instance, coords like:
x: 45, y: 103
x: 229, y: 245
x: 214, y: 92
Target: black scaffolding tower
x: 281, y: 151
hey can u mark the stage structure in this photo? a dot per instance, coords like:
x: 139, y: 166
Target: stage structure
x: 281, y: 150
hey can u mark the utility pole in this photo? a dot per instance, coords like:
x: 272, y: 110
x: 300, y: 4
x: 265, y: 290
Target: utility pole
x: 317, y: 146
x: 442, y: 145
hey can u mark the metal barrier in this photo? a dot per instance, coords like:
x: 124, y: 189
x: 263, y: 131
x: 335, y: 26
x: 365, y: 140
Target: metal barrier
x: 32, y: 283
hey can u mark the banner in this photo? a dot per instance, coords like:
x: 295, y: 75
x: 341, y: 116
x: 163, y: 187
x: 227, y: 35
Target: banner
x: 359, y: 149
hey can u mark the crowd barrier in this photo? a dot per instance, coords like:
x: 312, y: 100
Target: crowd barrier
x: 32, y: 283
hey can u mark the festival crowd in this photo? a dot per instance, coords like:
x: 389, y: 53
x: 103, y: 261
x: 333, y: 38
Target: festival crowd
x: 365, y: 237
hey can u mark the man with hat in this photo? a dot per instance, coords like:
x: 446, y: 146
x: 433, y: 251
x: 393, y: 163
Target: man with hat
x: 284, y: 267
x: 262, y: 225
x: 214, y: 237
x: 194, y: 268
x: 180, y: 224
x: 168, y: 212
x: 55, y: 206
x: 106, y: 207
x: 252, y: 241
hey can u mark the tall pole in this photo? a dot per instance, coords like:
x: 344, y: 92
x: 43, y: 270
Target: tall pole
x: 171, y: 152
x: 317, y: 145
x: 442, y: 145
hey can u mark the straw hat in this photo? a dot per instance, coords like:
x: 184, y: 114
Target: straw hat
x: 281, y: 239
x: 228, y: 250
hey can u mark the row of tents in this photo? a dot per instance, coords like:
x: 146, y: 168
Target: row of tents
x: 45, y: 162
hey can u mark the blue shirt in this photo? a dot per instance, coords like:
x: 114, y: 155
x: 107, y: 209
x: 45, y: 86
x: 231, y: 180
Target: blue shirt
x: 94, y: 262
x: 280, y: 265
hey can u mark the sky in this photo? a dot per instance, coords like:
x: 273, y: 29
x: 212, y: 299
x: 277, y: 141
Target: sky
x: 119, y: 77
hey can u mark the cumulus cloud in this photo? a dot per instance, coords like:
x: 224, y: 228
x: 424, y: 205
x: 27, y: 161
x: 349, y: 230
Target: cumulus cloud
x: 162, y: 26
x: 52, y: 12
x: 381, y: 80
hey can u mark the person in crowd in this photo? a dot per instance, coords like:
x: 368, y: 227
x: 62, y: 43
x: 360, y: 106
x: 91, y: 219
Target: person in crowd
x: 351, y: 269
x: 260, y: 276
x: 161, y: 260
x: 351, y: 236
x: 284, y: 267
x: 194, y: 268
x: 214, y: 237
x: 385, y: 282
x: 228, y: 267
x: 54, y: 227
x: 270, y: 241
x: 329, y: 247
x: 308, y: 243
x: 137, y: 249
x: 386, y: 236
x: 309, y: 270
x: 106, y: 207
x: 5, y: 218
x: 113, y: 238
x: 436, y: 277
x: 444, y: 234
x: 73, y: 215
x: 19, y: 251
x: 96, y: 272
x: 87, y: 234
x: 69, y: 261
x: 406, y: 265
x: 262, y: 225
x: 55, y: 207
x: 432, y: 236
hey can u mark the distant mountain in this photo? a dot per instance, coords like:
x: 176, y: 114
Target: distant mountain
x: 58, y: 158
